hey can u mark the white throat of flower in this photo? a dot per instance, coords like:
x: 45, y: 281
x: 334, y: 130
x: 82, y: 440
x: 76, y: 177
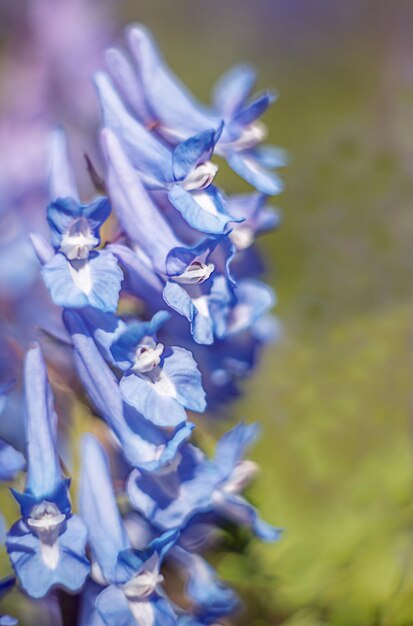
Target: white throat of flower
x: 250, y: 136
x: 240, y: 478
x: 200, y: 177
x: 195, y: 274
x: 242, y: 237
x: 45, y: 521
x: 147, y: 356
x: 78, y: 241
x: 145, y: 583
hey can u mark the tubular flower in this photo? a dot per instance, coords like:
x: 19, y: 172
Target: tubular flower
x: 47, y: 545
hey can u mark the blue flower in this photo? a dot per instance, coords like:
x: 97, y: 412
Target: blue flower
x: 199, y: 486
x: 159, y: 382
x: 211, y: 598
x: 200, y: 286
x: 47, y: 545
x: 132, y: 595
x: 184, y: 174
x: 142, y: 443
x: 78, y: 275
x: 11, y: 461
x: 175, y: 114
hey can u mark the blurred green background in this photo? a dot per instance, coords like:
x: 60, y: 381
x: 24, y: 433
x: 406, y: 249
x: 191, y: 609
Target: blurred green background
x: 333, y: 396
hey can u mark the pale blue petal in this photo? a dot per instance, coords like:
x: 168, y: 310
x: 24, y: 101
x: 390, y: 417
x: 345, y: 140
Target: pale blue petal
x: 62, y: 183
x: 233, y: 89
x: 203, y: 210
x: 181, y: 369
x: 248, y: 166
x: 177, y: 298
x: 255, y: 109
x: 162, y: 410
x: 43, y: 467
x: 171, y: 103
x: 138, y: 215
x: 194, y: 151
x: 202, y: 587
x: 99, y: 510
x: 33, y: 573
x: 95, y: 282
x: 145, y: 152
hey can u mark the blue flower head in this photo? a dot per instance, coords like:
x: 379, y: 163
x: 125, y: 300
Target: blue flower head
x: 185, y: 173
x: 75, y: 227
x: 131, y: 578
x: 47, y: 545
x: 202, y: 486
x: 77, y: 275
x: 159, y: 382
x: 242, y: 131
x: 142, y: 443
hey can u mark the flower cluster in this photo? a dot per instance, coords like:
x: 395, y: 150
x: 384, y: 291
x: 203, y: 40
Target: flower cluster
x: 163, y: 314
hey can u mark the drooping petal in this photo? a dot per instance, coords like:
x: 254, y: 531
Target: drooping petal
x: 161, y: 409
x: 31, y: 559
x: 115, y: 610
x: 202, y: 587
x: 203, y: 210
x: 99, y: 510
x: 181, y: 369
x: 94, y: 282
x: 255, y: 109
x: 196, y: 312
x: 238, y: 510
x: 248, y: 166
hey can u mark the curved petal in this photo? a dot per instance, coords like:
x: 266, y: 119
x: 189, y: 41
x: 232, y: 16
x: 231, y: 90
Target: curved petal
x: 203, y: 210
x: 95, y: 282
x: 181, y: 369
x: 193, y: 151
x: 159, y: 408
x: 35, y: 573
x: 233, y: 89
x: 248, y: 166
x: 238, y: 510
x: 210, y: 596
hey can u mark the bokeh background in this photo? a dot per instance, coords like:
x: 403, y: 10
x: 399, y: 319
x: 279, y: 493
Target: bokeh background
x: 333, y: 395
